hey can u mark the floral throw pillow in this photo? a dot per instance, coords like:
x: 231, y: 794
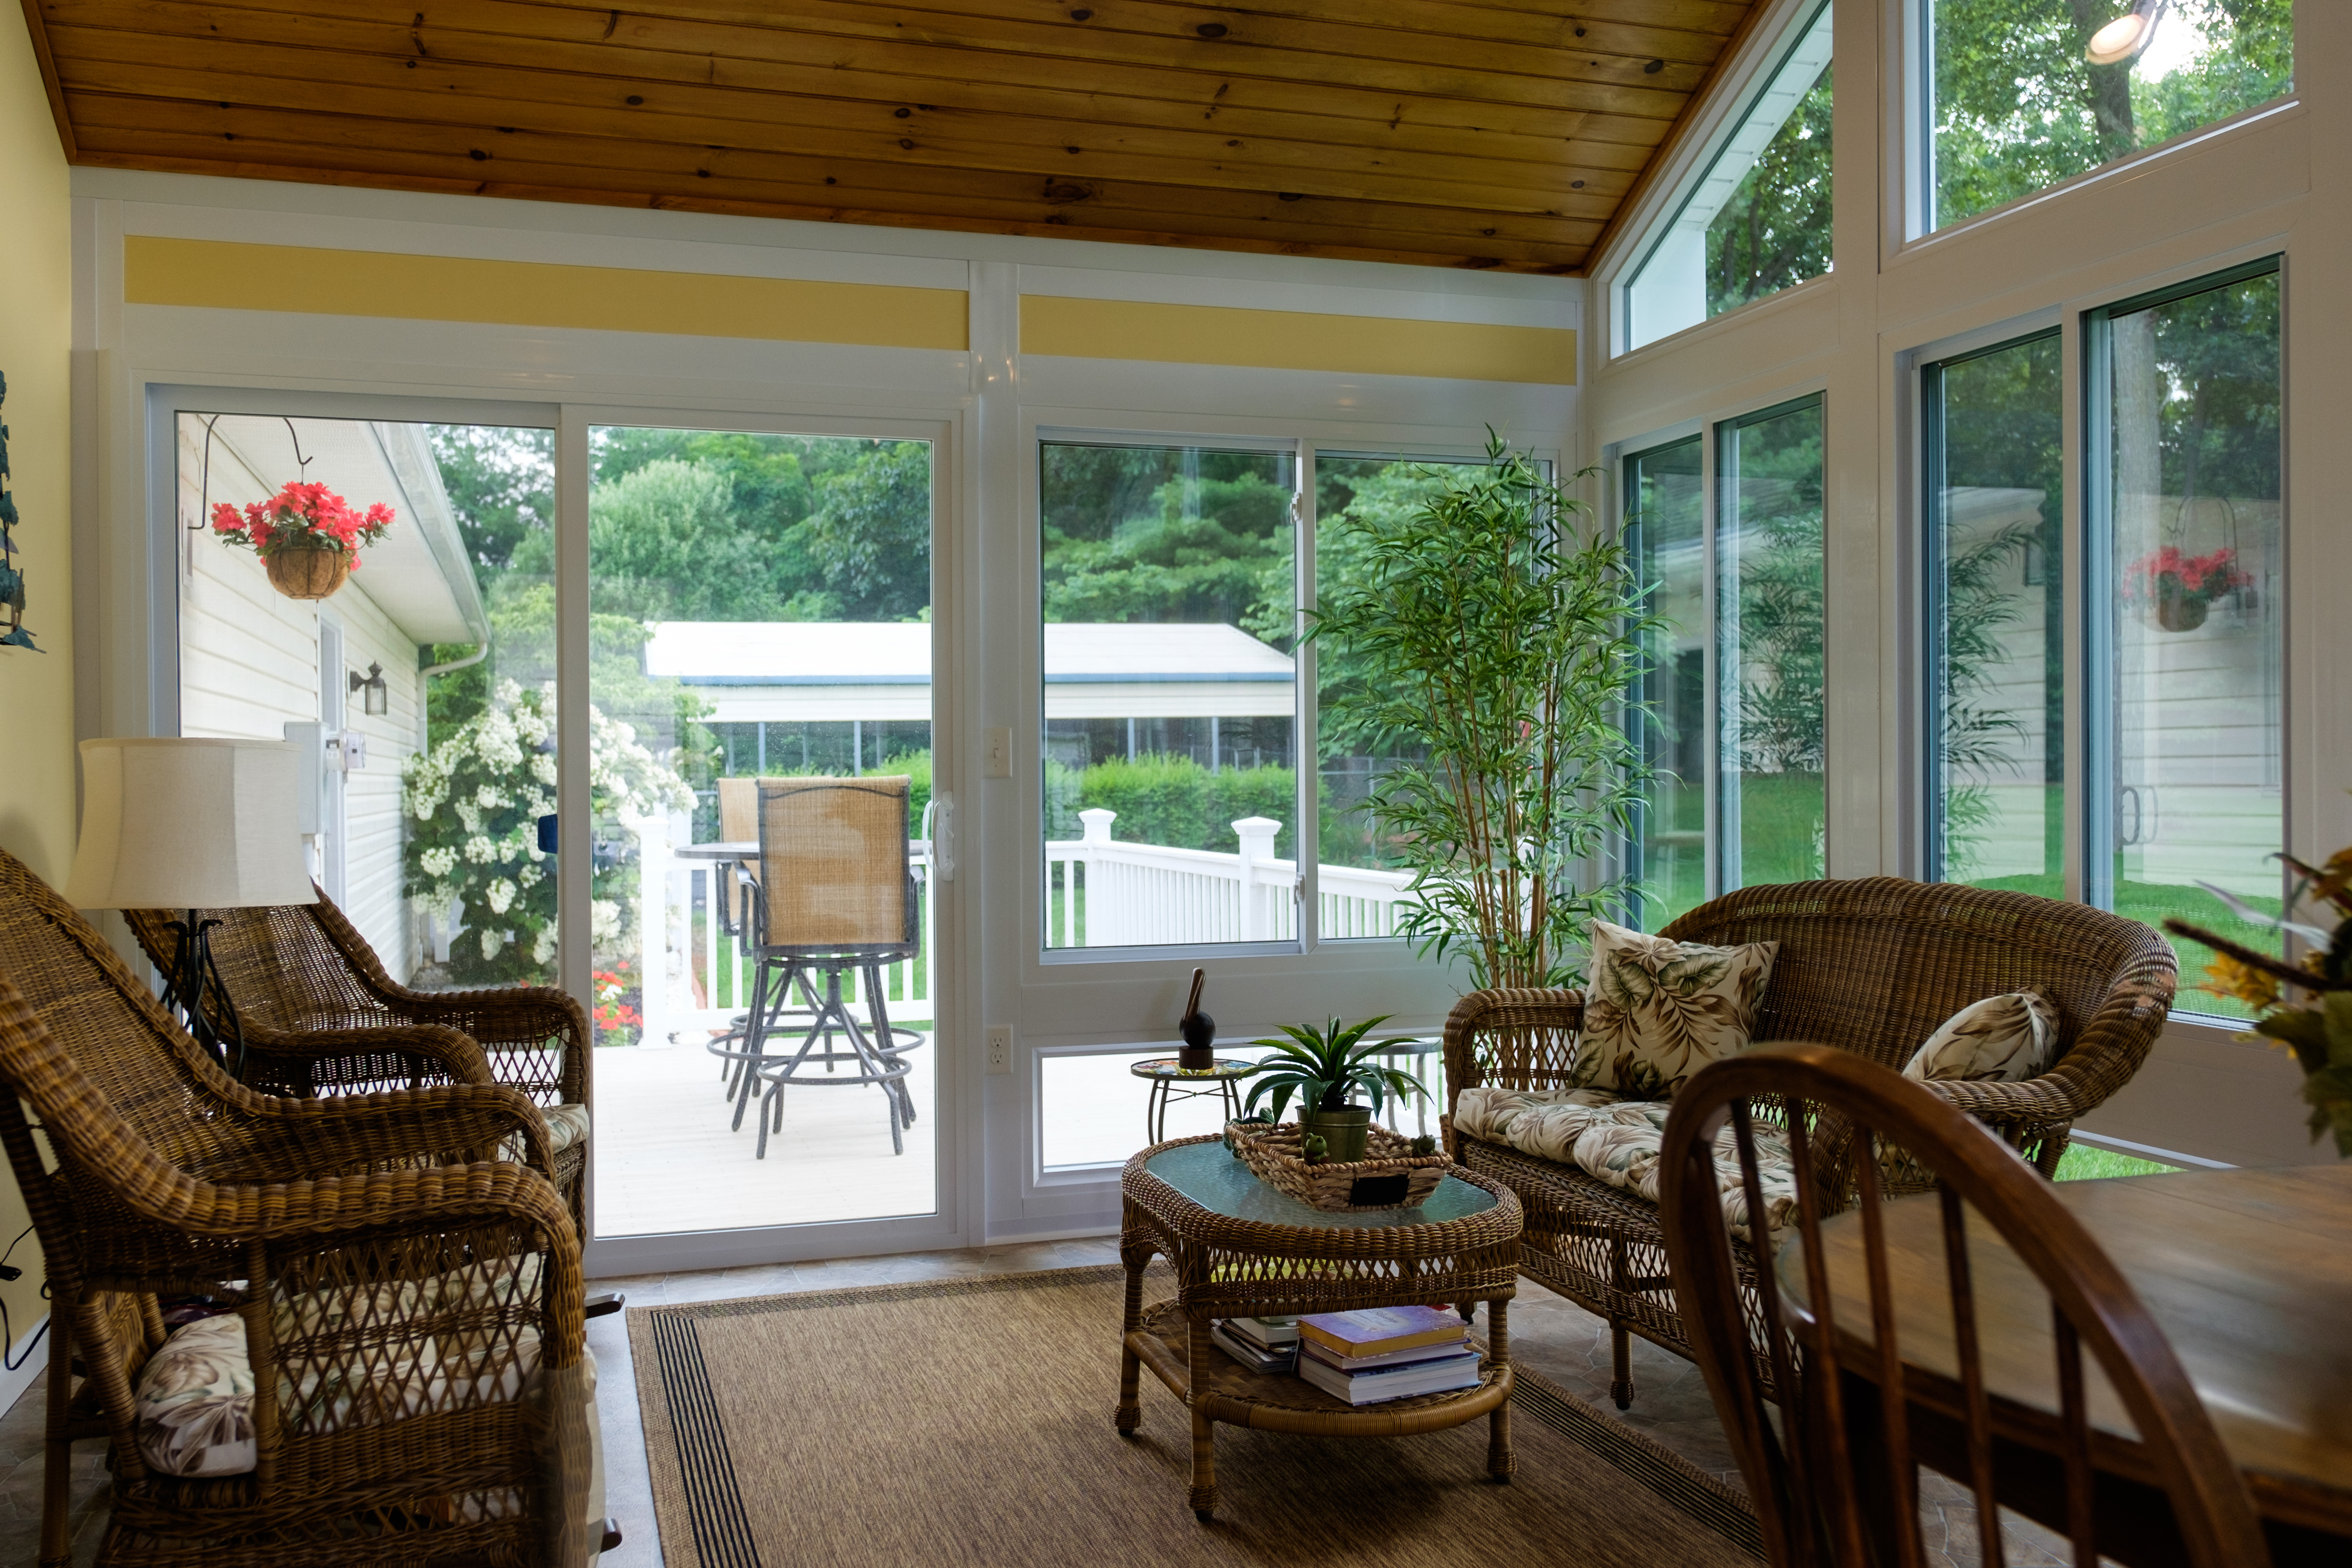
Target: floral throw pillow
x: 1657, y: 1011
x: 2000, y: 1040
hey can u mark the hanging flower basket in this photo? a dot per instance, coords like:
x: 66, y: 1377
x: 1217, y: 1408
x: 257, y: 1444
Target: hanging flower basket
x: 308, y: 571
x: 308, y: 537
x: 2175, y: 591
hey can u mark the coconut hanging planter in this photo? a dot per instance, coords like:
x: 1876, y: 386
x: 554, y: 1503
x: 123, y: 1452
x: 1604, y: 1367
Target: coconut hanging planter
x: 308, y: 571
x: 308, y: 537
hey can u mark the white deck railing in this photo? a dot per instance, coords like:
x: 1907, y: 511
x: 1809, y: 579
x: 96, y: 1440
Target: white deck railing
x: 1100, y: 892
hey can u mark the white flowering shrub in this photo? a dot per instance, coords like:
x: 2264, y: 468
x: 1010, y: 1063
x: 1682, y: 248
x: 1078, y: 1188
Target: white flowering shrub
x: 473, y: 803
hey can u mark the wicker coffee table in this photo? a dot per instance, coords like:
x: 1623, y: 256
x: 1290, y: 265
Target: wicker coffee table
x: 1240, y: 1249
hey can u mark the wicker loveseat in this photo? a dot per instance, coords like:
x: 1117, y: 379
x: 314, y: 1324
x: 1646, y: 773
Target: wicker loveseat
x: 401, y: 1374
x: 313, y: 1000
x: 1870, y: 966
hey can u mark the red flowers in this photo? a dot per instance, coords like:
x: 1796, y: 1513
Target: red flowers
x: 612, y: 1011
x: 302, y: 517
x: 2167, y: 574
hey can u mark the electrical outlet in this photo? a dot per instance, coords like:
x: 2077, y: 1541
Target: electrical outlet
x: 998, y: 762
x: 1000, y: 1048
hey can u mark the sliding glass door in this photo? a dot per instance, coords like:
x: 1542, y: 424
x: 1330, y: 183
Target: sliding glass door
x: 759, y: 704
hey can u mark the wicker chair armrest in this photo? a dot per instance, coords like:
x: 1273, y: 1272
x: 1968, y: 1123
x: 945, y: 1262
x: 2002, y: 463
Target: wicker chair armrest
x: 1526, y: 1029
x: 452, y: 1124
x: 419, y: 1199
x: 425, y: 1053
x: 493, y: 1016
x: 2114, y: 1044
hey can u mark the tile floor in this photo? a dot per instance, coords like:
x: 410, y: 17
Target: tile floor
x: 1549, y: 1335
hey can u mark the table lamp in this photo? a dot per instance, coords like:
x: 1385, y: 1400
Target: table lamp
x: 190, y: 825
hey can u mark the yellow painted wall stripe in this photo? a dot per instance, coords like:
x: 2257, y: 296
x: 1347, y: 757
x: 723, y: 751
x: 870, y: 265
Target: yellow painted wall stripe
x: 239, y: 277
x: 1295, y: 340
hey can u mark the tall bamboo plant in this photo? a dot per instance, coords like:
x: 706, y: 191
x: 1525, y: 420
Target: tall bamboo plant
x: 1495, y: 647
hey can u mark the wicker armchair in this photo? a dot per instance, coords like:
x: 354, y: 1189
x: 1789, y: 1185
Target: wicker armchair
x: 411, y: 1312
x: 313, y: 1001
x: 1870, y: 966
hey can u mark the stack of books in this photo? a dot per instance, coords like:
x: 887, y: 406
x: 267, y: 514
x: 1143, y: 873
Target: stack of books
x: 1261, y: 1344
x: 1387, y: 1353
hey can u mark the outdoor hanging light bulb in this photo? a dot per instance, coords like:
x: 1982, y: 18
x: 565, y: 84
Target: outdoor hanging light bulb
x: 2127, y: 37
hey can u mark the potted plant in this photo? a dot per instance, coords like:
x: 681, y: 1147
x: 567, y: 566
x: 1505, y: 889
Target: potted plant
x: 1324, y: 1068
x: 1494, y: 650
x: 308, y: 536
x: 2176, y: 590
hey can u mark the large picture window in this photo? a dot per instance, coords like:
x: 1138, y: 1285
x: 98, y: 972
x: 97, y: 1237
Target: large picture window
x: 2021, y: 94
x: 1996, y: 613
x: 1732, y: 709
x: 2187, y: 611
x: 1759, y: 219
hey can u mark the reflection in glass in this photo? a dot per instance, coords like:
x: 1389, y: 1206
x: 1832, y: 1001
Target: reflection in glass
x: 1170, y: 593
x: 1769, y: 569
x: 1666, y: 515
x: 1758, y: 220
x: 2016, y: 103
x: 1996, y: 610
x: 760, y: 608
x: 2192, y: 396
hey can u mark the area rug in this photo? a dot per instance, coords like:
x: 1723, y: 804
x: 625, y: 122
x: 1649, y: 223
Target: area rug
x: 969, y: 1421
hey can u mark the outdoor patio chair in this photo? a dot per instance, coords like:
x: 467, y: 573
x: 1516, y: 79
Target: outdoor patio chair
x: 734, y: 885
x: 313, y: 1001
x: 1870, y: 966
x: 400, y: 1372
x: 836, y: 897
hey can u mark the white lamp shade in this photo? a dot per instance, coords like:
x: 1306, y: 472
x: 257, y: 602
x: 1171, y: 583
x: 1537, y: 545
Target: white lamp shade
x: 189, y: 825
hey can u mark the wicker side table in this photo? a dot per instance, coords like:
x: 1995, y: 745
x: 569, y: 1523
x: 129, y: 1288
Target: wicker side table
x: 1240, y: 1249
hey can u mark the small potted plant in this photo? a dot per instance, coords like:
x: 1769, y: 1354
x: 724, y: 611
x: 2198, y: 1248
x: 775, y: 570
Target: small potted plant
x: 2176, y: 590
x: 1325, y: 1067
x: 308, y: 537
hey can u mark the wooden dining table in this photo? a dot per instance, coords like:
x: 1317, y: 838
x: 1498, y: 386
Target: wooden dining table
x: 2249, y: 1274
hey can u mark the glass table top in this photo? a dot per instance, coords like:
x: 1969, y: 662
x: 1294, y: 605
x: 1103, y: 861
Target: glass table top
x: 1210, y: 1176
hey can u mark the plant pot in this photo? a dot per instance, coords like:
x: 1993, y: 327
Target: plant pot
x: 1342, y: 1131
x: 308, y: 572
x: 2177, y: 611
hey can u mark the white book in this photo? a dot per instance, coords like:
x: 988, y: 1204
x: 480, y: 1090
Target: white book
x: 1400, y: 1382
x: 1253, y: 1357
x: 1274, y: 1333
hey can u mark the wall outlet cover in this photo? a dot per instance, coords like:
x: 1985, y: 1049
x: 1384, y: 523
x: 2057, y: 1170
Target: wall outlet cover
x: 1000, y: 1048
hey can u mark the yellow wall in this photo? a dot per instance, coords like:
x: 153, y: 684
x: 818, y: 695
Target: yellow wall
x: 37, y: 787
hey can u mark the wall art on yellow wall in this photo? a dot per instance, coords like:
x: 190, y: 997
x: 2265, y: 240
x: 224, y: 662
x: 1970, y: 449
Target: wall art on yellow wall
x: 12, y: 581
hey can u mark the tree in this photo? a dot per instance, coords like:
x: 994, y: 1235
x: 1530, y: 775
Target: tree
x: 2020, y: 107
x: 869, y: 541
x: 1775, y: 229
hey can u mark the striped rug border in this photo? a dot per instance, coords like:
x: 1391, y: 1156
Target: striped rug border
x: 714, y: 1505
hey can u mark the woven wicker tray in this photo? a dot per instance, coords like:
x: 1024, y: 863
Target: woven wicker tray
x: 1391, y: 1176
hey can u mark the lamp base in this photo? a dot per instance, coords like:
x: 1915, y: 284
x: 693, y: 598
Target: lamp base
x: 193, y: 991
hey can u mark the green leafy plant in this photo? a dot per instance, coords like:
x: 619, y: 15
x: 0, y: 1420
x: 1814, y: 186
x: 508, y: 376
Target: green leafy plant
x: 1325, y: 1067
x: 1488, y: 637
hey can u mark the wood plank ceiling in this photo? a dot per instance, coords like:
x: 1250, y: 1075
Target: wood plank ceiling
x: 1485, y: 134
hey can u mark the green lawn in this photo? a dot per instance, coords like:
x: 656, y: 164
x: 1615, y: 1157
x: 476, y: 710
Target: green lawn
x: 2083, y: 1162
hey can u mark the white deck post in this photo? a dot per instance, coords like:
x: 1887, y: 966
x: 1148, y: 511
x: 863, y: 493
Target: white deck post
x: 1102, y: 927
x: 653, y: 925
x: 1259, y: 923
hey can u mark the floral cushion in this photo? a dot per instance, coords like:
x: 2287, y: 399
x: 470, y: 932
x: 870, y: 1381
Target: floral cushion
x: 2000, y: 1040
x: 566, y: 1125
x: 1657, y: 1011
x: 1620, y: 1142
x: 194, y: 1403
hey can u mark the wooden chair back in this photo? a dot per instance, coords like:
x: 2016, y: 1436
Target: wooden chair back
x: 1834, y: 1476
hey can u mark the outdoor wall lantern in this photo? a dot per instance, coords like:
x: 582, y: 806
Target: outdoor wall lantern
x: 2127, y: 37
x: 376, y: 700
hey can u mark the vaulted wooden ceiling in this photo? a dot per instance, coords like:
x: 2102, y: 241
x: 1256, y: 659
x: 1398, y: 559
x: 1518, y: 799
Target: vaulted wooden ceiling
x: 1486, y: 133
